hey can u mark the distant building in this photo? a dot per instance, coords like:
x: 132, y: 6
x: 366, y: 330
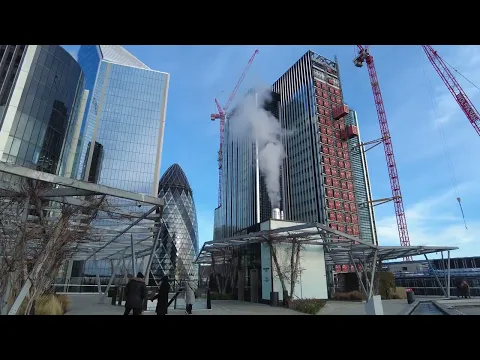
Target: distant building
x: 419, y: 275
x: 125, y: 119
x: 245, y: 199
x: 41, y: 92
x: 178, y: 243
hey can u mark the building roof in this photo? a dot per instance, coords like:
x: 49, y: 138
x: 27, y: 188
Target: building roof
x: 119, y: 55
x: 174, y: 177
x: 340, y: 248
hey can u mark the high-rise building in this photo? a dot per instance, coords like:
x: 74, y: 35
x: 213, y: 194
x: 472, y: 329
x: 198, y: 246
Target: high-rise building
x: 245, y: 199
x: 178, y: 242
x: 41, y: 93
x: 361, y: 182
x: 125, y: 119
x: 323, y: 176
x: 319, y: 181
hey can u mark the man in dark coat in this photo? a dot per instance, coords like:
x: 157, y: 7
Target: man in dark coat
x: 135, y: 293
x: 162, y: 297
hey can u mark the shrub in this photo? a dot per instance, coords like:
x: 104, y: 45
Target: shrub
x: 349, y: 296
x: 220, y: 296
x: 64, y: 301
x: 400, y: 293
x: 307, y: 306
x: 386, y: 286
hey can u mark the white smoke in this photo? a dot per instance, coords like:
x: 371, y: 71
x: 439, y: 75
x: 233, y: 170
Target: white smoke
x: 254, y: 124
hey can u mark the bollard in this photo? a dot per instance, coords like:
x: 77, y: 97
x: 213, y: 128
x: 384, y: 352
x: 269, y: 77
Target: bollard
x: 209, y: 301
x: 274, y: 298
x: 410, y: 296
x: 114, y: 295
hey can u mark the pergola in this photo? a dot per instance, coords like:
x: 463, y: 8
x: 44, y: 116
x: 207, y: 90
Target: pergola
x: 128, y: 227
x: 339, y: 249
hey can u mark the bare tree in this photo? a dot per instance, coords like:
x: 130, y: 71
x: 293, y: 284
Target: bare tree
x: 224, y: 271
x: 286, y: 259
x: 37, y: 236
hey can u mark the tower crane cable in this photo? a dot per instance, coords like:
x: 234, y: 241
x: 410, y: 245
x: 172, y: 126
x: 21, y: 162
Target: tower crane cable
x: 459, y: 73
x: 444, y: 141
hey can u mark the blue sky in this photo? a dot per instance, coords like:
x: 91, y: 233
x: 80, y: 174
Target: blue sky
x: 201, y: 73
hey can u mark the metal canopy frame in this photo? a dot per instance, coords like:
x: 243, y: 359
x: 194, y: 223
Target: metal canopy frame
x: 115, y: 229
x: 339, y: 247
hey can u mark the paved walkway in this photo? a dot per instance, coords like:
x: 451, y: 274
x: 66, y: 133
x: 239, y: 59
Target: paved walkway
x: 390, y: 307
x: 88, y: 304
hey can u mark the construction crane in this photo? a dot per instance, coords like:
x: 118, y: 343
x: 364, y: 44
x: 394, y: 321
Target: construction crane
x: 454, y: 87
x: 221, y: 115
x: 364, y: 56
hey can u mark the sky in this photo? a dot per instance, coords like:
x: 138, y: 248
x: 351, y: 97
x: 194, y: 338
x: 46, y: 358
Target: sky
x: 435, y: 145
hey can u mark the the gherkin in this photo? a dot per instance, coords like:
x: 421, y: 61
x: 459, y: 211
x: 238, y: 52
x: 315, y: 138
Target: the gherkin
x: 178, y: 242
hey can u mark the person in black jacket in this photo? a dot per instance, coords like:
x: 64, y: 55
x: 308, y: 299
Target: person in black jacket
x: 135, y: 293
x: 162, y: 297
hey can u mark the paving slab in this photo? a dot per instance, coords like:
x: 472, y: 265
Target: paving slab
x: 390, y: 307
x: 89, y: 304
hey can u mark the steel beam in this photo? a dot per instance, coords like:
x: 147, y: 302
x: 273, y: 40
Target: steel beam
x: 134, y: 261
x: 97, y: 269
x: 78, y: 184
x: 448, y: 274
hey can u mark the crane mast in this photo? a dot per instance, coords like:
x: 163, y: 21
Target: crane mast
x: 364, y: 56
x: 222, y: 115
x: 454, y: 87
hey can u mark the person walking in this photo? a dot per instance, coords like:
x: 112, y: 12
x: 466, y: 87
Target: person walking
x: 190, y: 289
x: 135, y: 293
x: 162, y: 297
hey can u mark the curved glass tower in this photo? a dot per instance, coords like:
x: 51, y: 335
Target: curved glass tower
x: 179, y: 235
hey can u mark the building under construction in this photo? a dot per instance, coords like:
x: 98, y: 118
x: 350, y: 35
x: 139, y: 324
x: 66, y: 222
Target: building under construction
x: 319, y: 175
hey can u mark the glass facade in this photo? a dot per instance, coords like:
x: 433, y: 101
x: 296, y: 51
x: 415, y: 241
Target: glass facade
x: 124, y: 120
x: 245, y: 199
x: 361, y: 180
x: 121, y: 135
x: 303, y: 192
x: 179, y: 235
x: 40, y: 91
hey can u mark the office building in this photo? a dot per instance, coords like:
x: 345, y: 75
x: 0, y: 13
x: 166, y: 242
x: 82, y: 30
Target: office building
x: 322, y: 178
x: 361, y: 182
x: 125, y: 119
x: 178, y: 242
x: 41, y: 102
x: 245, y: 200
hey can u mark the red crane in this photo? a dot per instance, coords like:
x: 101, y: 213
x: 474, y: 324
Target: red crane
x: 221, y: 115
x: 364, y: 56
x: 454, y: 87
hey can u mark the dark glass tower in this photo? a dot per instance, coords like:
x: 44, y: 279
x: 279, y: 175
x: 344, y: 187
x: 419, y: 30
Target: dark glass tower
x: 245, y: 199
x: 41, y: 87
x: 179, y: 231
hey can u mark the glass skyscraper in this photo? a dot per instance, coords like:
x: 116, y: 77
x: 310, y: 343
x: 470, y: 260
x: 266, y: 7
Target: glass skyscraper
x: 245, y: 199
x: 179, y: 231
x: 361, y: 179
x: 124, y: 121
x: 41, y: 91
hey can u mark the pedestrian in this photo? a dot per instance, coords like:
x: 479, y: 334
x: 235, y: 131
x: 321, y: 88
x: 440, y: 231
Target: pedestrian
x: 162, y: 297
x: 190, y: 289
x: 135, y: 294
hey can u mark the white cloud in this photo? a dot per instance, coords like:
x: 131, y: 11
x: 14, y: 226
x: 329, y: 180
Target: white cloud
x: 435, y: 221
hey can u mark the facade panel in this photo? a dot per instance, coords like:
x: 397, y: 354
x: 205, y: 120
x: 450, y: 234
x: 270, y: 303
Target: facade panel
x: 41, y: 87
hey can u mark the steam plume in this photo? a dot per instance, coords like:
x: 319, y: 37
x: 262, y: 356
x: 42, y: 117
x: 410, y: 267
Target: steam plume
x: 253, y: 124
